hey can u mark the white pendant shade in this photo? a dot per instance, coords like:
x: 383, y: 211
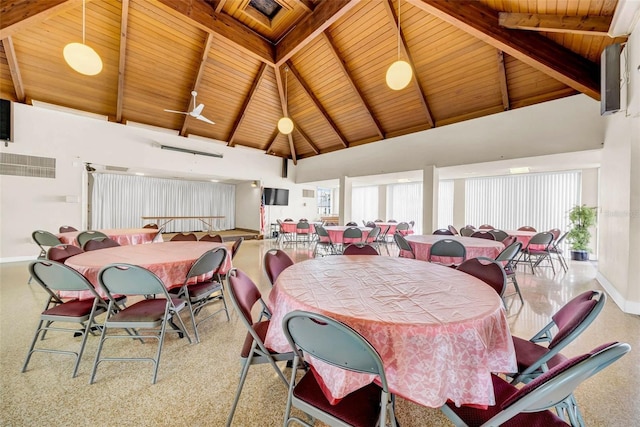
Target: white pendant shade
x: 399, y: 75
x: 82, y: 59
x: 285, y: 125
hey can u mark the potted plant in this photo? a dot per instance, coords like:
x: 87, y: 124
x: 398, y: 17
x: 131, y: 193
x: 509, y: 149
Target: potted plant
x: 581, y: 219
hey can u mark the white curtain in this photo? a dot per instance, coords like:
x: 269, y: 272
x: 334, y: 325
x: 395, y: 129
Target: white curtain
x: 509, y: 202
x: 364, y: 204
x: 120, y: 201
x: 445, y: 203
x: 404, y: 203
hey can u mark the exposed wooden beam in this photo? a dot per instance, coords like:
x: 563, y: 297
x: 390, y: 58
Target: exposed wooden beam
x: 470, y: 115
x: 549, y: 96
x: 502, y: 77
x: 245, y: 105
x: 22, y: 15
x: 318, y: 105
x: 533, y: 49
x: 415, y: 81
x: 355, y: 88
x: 124, y: 22
x: 14, y: 69
x: 306, y: 4
x: 274, y: 136
x: 587, y: 25
x: 196, y: 82
x: 285, y: 111
x: 220, y: 5
x: 307, y: 139
x: 325, y: 14
x: 205, y: 18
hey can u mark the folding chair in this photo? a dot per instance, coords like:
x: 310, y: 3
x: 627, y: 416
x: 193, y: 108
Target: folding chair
x: 556, y: 250
x: 499, y: 235
x: 374, y: 236
x: 200, y: 294
x: 529, y: 405
x: 404, y: 246
x: 351, y: 235
x: 487, y: 270
x: 337, y: 344
x: 84, y: 236
x: 303, y: 232
x: 360, y: 249
x: 152, y: 314
x: 184, y: 237
x: 236, y: 247
x: 275, y: 262
x: 508, y: 256
x: 100, y: 243
x: 211, y: 238
x: 448, y: 248
x: 61, y: 253
x: 527, y: 228
x: 54, y: 277
x: 244, y: 296
x: 537, y: 250
x: 467, y: 231
x: 483, y: 235
x: 443, y: 232
x: 486, y: 227
x: 453, y: 230
x: 324, y: 242
x: 44, y: 240
x: 155, y: 226
x: 66, y: 229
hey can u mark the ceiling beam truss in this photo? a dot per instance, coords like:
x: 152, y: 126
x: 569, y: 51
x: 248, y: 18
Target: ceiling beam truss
x: 502, y: 77
x: 14, y: 68
x: 585, y: 25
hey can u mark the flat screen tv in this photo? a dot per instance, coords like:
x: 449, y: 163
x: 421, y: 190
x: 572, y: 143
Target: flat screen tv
x: 275, y: 196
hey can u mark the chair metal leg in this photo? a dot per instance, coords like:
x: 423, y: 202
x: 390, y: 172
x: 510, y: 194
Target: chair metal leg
x: 243, y: 377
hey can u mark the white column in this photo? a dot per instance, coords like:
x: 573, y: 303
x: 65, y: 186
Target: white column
x: 382, y: 203
x: 430, y: 184
x: 345, y: 199
x: 459, y: 203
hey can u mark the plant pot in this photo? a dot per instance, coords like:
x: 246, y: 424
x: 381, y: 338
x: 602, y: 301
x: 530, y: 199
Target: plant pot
x: 580, y: 255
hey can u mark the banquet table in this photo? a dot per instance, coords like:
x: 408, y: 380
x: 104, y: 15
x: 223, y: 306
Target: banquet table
x: 124, y: 236
x: 292, y: 226
x: 170, y: 261
x: 336, y: 234
x: 522, y: 236
x: 476, y: 247
x: 440, y: 332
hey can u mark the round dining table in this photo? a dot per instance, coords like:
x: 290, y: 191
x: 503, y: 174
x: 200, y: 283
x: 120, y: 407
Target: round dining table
x: 170, y: 261
x: 476, y: 247
x: 522, y: 236
x: 440, y: 332
x: 124, y: 236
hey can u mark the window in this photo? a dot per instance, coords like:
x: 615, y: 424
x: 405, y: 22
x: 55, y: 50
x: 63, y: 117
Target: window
x: 445, y: 204
x: 324, y: 201
x: 404, y: 203
x: 364, y: 204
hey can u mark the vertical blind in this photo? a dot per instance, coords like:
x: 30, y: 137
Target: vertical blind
x: 120, y: 201
x: 509, y: 202
x: 445, y: 203
x: 364, y: 204
x: 404, y: 203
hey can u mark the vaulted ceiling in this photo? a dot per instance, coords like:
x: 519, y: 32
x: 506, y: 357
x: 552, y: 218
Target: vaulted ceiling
x: 322, y: 62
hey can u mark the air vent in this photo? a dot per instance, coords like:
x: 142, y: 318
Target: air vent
x: 21, y: 165
x: 308, y: 194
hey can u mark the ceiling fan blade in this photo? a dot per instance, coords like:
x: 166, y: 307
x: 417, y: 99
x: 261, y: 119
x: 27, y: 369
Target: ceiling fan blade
x: 174, y: 111
x: 197, y: 111
x: 204, y: 119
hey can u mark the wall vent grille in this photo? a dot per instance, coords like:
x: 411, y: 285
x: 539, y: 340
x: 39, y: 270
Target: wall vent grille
x: 309, y: 194
x: 21, y: 165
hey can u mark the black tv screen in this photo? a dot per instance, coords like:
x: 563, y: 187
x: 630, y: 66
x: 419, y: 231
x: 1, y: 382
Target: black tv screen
x: 276, y: 196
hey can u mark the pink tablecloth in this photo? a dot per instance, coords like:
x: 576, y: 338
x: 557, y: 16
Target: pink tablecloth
x: 440, y: 332
x: 522, y: 236
x: 421, y: 245
x: 170, y: 261
x: 336, y: 234
x: 124, y: 236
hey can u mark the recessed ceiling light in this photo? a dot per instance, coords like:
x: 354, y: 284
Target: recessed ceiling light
x: 519, y: 170
x: 404, y: 180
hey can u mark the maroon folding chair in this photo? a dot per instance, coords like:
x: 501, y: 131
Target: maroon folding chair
x: 275, y: 262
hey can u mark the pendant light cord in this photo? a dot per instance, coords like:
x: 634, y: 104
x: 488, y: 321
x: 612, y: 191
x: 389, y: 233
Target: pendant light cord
x: 398, y: 30
x: 83, y: 22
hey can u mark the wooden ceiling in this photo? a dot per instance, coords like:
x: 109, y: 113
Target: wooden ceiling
x: 470, y: 59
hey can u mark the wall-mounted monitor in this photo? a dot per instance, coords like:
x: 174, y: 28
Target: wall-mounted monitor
x: 610, y: 79
x: 275, y: 196
x: 5, y: 120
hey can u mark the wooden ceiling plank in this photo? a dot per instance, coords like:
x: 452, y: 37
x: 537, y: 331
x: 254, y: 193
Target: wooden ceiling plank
x: 502, y: 77
x: 196, y: 82
x: 20, y: 16
x: 355, y: 88
x: 325, y: 14
x: 415, y: 81
x: 220, y: 5
x: 308, y: 140
x: 245, y: 105
x: 222, y: 24
x: 14, y: 68
x: 318, y: 105
x: 124, y: 23
x: 585, y: 25
x: 531, y: 48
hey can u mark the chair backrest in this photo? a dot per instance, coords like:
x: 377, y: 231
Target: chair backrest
x: 448, y: 248
x: 211, y: 238
x: 54, y: 276
x: 351, y: 224
x: 467, y: 231
x: 509, y: 240
x: 487, y: 270
x: 543, y: 238
x: 499, y: 235
x: 288, y: 219
x: 370, y: 224
x: 378, y: 220
x: 452, y: 229
x: 352, y: 233
x: 84, y: 236
x: 66, y: 229
x: 556, y: 233
x: 210, y: 261
x: 184, y: 237
x: 275, y: 262
x: 151, y: 226
x: 575, y: 316
x: 509, y: 253
x: 402, y: 226
x: 443, y: 232
x: 303, y: 220
x: 61, y: 253
x: 244, y: 296
x: 483, y: 235
x: 128, y: 279
x: 359, y: 249
x: 99, y: 243
x: 527, y: 228
x: 236, y: 246
x: 392, y: 220
x: 554, y: 386
x: 373, y: 233
x: 412, y: 223
x: 332, y: 342
x: 303, y: 227
x: 558, y: 241
x: 403, y: 244
x: 486, y: 227
x: 45, y: 239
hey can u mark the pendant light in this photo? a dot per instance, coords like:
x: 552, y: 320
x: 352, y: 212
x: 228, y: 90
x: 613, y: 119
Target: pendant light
x: 399, y: 73
x: 285, y: 124
x: 81, y: 57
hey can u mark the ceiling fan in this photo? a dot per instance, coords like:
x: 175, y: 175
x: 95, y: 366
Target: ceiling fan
x: 196, y: 112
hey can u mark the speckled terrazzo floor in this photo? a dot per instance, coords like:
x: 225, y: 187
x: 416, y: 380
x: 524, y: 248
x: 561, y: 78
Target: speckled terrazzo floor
x: 196, y: 382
